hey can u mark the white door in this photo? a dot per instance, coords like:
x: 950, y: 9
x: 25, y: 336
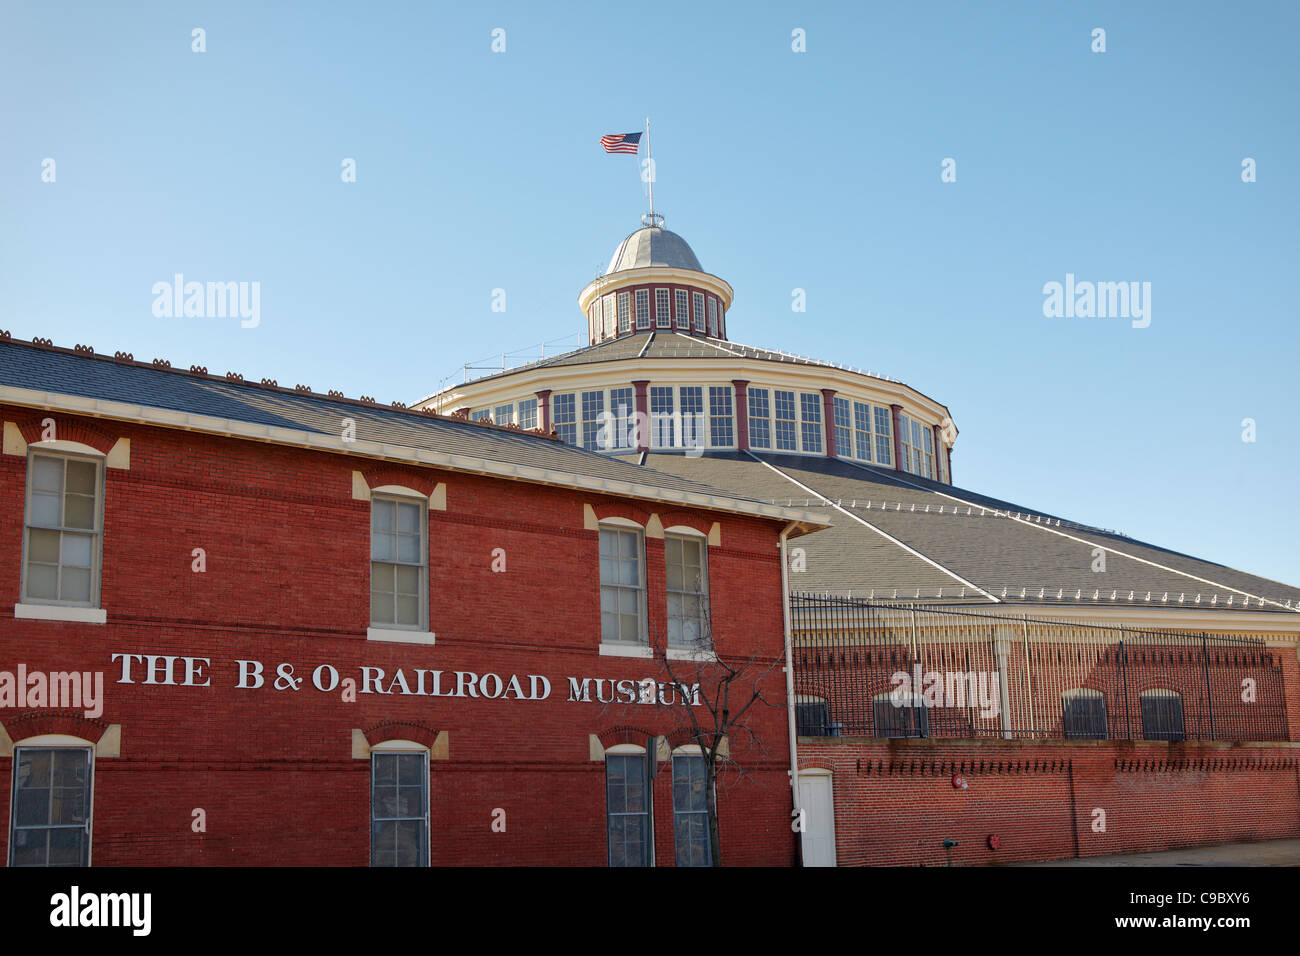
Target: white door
x: 819, y: 818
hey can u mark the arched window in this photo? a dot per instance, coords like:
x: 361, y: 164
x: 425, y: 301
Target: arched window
x: 51, y: 801
x: 627, y: 806
x: 1162, y: 715
x: 1083, y: 714
x: 399, y: 804
x: 691, y: 807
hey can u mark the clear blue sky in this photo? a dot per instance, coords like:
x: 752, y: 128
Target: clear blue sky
x: 818, y: 170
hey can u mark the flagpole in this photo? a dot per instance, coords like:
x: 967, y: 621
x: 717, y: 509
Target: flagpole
x: 650, y: 156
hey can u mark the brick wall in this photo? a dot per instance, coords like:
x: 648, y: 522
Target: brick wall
x: 287, y: 581
x: 895, y: 802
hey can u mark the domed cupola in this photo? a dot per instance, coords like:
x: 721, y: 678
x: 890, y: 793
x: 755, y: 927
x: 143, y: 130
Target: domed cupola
x: 655, y: 283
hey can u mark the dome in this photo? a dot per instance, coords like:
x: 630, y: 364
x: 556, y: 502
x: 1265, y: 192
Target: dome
x: 653, y: 246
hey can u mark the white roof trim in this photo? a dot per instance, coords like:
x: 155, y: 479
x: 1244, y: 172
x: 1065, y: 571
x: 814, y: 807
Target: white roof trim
x: 123, y: 411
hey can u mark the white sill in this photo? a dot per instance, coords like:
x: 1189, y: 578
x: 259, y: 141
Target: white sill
x: 61, y: 612
x: 399, y: 635
x: 644, y: 650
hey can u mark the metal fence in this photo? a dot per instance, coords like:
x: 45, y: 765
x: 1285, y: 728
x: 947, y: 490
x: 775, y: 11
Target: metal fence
x: 878, y: 670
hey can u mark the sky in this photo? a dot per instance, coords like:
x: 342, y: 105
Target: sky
x: 823, y: 170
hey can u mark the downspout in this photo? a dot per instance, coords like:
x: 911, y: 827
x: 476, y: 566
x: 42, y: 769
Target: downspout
x: 789, y: 691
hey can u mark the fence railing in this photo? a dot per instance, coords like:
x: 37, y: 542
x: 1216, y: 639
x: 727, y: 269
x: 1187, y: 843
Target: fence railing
x: 866, y: 669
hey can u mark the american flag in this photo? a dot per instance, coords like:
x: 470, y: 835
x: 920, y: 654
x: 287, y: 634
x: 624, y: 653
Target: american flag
x: 621, y: 142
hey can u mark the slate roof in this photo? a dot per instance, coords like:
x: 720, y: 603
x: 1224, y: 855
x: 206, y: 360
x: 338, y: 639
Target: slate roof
x: 1017, y: 554
x: 63, y: 371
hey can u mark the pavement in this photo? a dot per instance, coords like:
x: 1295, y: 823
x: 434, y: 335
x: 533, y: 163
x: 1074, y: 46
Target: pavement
x: 1266, y: 853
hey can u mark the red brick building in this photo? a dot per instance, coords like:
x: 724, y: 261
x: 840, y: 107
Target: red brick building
x: 335, y: 633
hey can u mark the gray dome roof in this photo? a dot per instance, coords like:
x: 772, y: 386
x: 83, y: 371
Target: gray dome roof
x: 653, y: 246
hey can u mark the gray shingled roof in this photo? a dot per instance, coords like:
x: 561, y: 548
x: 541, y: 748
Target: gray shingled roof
x: 659, y: 344
x: 989, y: 547
x: 23, y: 365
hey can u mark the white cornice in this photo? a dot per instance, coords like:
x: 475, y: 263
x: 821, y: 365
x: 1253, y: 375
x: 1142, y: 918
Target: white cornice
x: 685, y: 371
x: 655, y: 275
x: 167, y: 418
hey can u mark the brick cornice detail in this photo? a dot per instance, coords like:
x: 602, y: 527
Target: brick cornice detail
x: 400, y: 730
x: 67, y: 429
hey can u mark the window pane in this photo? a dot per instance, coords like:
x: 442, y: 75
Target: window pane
x: 79, y: 511
x: 42, y: 581
x: 408, y: 548
x: 408, y: 518
x: 43, y: 546
x: 75, y: 584
x: 46, y: 509
x: 408, y: 610
x: 81, y: 477
x: 47, y: 473
x: 381, y: 514
x: 76, y: 549
x: 383, y: 546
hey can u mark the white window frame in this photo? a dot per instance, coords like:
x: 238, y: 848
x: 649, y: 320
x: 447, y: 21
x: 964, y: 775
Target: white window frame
x: 695, y: 752
x: 697, y: 308
x: 393, y: 748
x: 624, y: 526
x: 623, y: 751
x: 56, y: 608
x: 573, y: 423
x: 642, y: 309
x: 713, y: 317
x: 704, y: 645
x: 663, y: 308
x: 420, y: 632
x: 53, y: 742
x: 530, y: 403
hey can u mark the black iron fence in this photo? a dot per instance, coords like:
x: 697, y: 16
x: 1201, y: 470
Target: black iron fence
x: 884, y: 670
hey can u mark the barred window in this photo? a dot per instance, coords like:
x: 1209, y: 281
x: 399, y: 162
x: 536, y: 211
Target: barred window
x: 721, y: 432
x: 51, y: 807
x: 1083, y: 715
x: 698, y: 301
x: 688, y: 591
x: 643, y: 308
x: 399, y: 808
x: 564, y: 416
x: 627, y: 809
x: 691, y: 811
x: 528, y: 413
x: 1162, y: 715
x: 622, y: 585
x: 624, y: 312
x: 397, y: 562
x: 786, y: 436
x: 812, y: 717
x: 64, y: 525
x: 895, y: 718
x: 760, y: 428
x: 843, y: 434
x: 862, y: 431
x: 683, y: 309
x: 662, y: 319
x: 884, y: 448
x: 593, y: 408
x: 694, y: 428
